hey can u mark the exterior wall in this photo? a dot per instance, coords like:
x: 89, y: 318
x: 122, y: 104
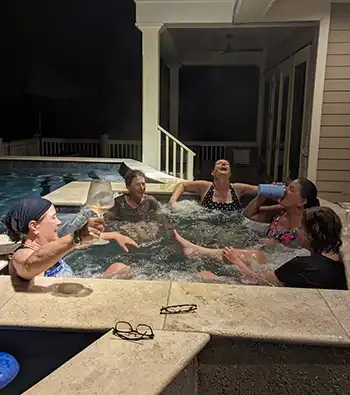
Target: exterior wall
x: 333, y: 171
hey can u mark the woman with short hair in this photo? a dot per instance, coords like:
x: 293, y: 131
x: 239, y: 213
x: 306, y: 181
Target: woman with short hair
x: 320, y: 233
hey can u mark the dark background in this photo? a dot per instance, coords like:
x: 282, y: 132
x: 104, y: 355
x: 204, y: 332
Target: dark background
x: 80, y: 63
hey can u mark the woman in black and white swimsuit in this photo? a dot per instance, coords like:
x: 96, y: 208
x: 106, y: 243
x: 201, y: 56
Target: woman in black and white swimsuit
x: 217, y: 195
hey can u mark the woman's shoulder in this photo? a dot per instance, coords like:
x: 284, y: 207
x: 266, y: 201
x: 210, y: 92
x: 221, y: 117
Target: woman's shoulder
x: 151, y: 200
x: 120, y: 198
x: 21, y: 255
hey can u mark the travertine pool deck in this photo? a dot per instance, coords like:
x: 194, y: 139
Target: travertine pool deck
x: 261, y: 313
x: 114, y: 366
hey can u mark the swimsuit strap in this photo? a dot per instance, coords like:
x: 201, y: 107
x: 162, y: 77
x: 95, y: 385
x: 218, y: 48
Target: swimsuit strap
x: 23, y: 246
x: 287, y: 236
x: 235, y: 199
x: 209, y: 203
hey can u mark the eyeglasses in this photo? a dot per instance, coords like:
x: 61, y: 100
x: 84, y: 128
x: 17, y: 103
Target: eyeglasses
x: 125, y: 331
x: 179, y: 309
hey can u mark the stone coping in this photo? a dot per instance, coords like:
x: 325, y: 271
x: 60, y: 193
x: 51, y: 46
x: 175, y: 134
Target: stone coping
x: 75, y: 193
x: 112, y: 365
x: 306, y: 316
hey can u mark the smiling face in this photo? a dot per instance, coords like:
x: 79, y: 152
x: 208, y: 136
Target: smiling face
x: 221, y: 169
x: 45, y: 229
x: 293, y: 196
x: 137, y: 188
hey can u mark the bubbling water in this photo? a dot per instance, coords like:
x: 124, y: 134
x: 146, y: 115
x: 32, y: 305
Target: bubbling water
x: 159, y: 257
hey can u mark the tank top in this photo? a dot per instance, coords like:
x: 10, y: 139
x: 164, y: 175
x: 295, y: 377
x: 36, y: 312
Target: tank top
x: 209, y: 203
x: 59, y: 269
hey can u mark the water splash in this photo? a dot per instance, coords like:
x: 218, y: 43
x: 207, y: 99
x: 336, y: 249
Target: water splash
x: 159, y: 258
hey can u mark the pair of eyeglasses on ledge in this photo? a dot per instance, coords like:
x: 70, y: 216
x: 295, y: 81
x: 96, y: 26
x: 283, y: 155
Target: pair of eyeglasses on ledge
x: 125, y: 331
x: 179, y: 309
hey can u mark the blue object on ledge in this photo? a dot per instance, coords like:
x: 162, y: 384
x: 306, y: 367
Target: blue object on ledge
x: 9, y: 368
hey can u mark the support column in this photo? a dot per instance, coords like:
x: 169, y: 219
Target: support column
x: 2, y: 151
x: 104, y: 146
x: 174, y: 101
x: 150, y: 94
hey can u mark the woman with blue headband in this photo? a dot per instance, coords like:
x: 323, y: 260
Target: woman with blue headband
x: 34, y: 223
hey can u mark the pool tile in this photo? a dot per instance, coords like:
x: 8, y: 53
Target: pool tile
x: 86, y: 304
x: 6, y: 290
x: 265, y: 313
x: 339, y: 302
x: 113, y: 366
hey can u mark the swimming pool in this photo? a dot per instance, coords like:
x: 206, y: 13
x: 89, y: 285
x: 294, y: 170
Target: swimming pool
x: 24, y: 179
x: 160, y: 259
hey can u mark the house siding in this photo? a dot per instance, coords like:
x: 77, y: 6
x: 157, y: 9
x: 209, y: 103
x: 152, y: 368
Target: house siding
x: 333, y: 170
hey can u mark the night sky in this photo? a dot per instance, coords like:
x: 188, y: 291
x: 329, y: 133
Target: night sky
x: 78, y: 61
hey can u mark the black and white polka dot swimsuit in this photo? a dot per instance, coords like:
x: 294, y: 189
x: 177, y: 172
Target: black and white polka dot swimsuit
x: 209, y: 203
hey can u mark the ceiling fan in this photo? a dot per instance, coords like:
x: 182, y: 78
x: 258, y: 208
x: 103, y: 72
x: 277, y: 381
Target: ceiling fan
x: 229, y: 47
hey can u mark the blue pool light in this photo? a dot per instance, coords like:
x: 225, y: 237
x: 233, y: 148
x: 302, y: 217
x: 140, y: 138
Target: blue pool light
x: 9, y: 368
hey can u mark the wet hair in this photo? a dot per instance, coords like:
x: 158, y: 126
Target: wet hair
x: 131, y: 174
x: 323, y: 229
x: 309, y: 192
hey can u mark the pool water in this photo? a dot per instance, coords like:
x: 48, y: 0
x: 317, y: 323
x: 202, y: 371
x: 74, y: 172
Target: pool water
x: 18, y: 183
x: 161, y: 259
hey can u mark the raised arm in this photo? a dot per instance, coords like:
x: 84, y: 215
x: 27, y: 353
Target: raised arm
x: 245, y: 189
x: 29, y: 264
x: 257, y: 212
x: 197, y: 187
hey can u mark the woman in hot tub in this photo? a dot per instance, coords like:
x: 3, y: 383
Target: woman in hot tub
x: 139, y: 212
x: 283, y: 218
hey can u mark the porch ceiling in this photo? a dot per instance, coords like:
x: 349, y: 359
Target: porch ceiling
x: 191, y: 44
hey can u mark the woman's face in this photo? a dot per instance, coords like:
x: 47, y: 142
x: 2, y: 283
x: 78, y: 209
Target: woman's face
x: 137, y: 188
x: 46, y: 227
x: 221, y: 168
x: 293, y: 196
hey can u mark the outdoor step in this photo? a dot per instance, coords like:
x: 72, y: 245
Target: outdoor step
x: 115, y: 366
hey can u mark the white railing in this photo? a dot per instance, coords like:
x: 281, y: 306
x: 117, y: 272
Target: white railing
x: 92, y: 148
x: 68, y: 147
x: 235, y: 151
x: 27, y: 147
x: 169, y: 156
x: 131, y: 149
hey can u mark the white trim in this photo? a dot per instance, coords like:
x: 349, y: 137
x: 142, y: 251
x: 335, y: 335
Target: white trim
x: 173, y: 138
x: 277, y: 147
x: 316, y: 111
x: 271, y: 118
x: 260, y: 117
x: 269, y: 6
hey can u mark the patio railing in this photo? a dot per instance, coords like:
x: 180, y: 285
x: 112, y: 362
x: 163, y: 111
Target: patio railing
x: 177, y: 158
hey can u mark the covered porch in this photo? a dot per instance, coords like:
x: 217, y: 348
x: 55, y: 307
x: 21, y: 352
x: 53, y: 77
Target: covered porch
x: 280, y: 44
